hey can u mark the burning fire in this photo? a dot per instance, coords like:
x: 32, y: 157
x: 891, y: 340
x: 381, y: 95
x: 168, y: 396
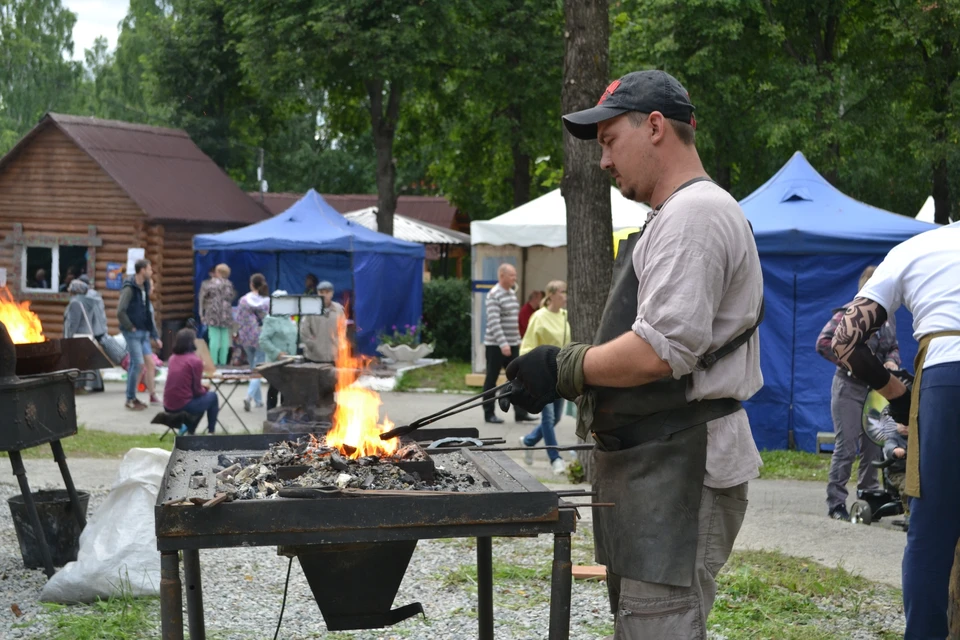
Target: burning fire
x: 22, y: 324
x: 355, y: 431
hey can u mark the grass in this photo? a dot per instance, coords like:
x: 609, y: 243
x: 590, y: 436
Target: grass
x: 122, y: 618
x: 446, y: 376
x: 769, y: 595
x: 91, y: 443
x: 797, y: 465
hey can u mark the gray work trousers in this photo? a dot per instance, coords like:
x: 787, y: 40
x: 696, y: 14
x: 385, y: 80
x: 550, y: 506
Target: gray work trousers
x: 846, y: 406
x: 646, y: 610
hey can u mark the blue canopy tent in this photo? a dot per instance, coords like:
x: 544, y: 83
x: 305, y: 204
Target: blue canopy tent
x: 380, y: 276
x: 814, y: 243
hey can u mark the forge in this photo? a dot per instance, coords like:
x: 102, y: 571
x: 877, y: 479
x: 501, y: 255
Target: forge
x: 307, y: 400
x: 341, y: 535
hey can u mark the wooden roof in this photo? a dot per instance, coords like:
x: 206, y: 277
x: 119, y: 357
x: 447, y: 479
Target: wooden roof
x: 162, y: 170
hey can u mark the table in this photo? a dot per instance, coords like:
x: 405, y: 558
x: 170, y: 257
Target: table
x: 234, y: 379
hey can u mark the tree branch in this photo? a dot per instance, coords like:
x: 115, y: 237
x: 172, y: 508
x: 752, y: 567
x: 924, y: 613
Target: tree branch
x: 787, y: 45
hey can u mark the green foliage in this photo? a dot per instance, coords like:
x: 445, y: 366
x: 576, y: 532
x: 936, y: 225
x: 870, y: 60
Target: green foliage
x: 797, y: 465
x: 121, y: 618
x: 575, y: 472
x: 407, y: 335
x: 445, y: 376
x: 446, y: 317
x: 92, y: 443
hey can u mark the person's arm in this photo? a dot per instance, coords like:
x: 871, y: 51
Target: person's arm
x: 863, y: 318
x: 196, y: 368
x: 493, y: 321
x: 126, y: 294
x: 682, y: 283
x: 825, y: 339
x: 267, y: 337
x: 70, y: 319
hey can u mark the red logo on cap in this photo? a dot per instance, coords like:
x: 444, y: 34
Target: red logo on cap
x: 609, y: 91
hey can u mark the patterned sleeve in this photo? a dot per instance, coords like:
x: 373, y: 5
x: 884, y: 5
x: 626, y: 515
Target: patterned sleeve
x: 825, y: 338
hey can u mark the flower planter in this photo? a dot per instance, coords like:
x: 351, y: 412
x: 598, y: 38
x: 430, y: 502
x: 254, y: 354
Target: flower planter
x: 403, y: 353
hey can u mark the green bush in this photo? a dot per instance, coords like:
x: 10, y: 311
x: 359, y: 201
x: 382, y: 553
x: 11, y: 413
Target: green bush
x: 446, y: 317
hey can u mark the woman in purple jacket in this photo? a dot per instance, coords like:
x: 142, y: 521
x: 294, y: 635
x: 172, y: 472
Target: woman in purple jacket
x: 184, y: 390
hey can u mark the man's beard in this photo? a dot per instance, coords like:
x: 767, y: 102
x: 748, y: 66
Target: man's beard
x: 629, y: 193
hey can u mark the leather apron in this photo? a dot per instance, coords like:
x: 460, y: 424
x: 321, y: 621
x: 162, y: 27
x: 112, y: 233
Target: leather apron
x: 913, y: 436
x: 655, y: 476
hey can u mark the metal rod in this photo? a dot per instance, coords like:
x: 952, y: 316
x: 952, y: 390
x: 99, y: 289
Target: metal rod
x: 576, y: 505
x: 452, y: 410
x: 61, y: 459
x: 31, y: 506
x: 485, y: 587
x: 568, y: 447
x: 171, y: 597
x: 561, y: 584
x: 575, y: 492
x: 194, y: 588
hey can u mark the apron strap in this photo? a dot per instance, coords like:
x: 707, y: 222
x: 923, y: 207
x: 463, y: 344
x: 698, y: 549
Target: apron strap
x: 913, y: 437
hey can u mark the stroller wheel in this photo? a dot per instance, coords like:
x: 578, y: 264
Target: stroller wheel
x: 860, y: 512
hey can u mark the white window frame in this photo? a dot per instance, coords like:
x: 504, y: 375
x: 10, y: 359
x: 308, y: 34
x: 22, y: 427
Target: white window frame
x: 54, y: 267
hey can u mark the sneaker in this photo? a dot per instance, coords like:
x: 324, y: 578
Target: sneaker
x: 493, y: 419
x: 154, y: 399
x: 183, y: 430
x: 526, y: 417
x: 840, y: 513
x: 135, y: 405
x: 559, y: 467
x: 527, y: 453
x: 246, y: 405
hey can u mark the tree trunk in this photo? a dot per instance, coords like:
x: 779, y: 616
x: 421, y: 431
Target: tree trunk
x: 953, y: 608
x: 521, y: 175
x: 384, y: 123
x: 585, y: 186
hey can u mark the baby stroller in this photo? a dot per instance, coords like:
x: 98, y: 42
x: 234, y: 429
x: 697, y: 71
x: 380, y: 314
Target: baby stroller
x: 874, y: 504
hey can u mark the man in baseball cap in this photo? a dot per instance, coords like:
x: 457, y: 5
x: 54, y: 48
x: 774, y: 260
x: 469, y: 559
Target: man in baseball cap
x: 676, y: 352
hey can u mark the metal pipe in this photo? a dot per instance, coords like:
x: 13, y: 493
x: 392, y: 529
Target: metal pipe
x: 561, y: 584
x: 545, y: 447
x: 194, y: 589
x: 31, y: 506
x: 61, y: 459
x: 485, y: 587
x: 171, y: 597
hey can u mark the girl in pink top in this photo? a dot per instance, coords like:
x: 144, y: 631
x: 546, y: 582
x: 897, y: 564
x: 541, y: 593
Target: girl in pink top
x: 184, y: 390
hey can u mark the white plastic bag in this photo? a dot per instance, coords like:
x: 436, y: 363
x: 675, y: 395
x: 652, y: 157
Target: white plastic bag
x: 118, y: 548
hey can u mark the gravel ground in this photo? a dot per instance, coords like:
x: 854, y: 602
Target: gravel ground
x: 243, y: 589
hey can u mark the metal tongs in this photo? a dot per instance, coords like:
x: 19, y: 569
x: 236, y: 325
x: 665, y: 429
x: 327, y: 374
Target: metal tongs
x: 460, y: 407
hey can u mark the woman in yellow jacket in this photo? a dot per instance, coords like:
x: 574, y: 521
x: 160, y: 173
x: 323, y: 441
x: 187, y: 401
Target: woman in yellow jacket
x: 548, y: 325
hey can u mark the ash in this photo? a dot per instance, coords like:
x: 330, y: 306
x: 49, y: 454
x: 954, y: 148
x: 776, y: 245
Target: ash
x: 307, y: 462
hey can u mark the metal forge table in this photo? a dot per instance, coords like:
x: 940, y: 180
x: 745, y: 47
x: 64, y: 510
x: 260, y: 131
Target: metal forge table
x: 341, y: 541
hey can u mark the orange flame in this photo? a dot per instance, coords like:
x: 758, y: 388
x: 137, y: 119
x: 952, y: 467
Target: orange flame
x: 22, y: 324
x: 355, y: 431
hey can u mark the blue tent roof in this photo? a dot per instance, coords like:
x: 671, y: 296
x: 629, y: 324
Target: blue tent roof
x: 309, y: 225
x: 798, y: 212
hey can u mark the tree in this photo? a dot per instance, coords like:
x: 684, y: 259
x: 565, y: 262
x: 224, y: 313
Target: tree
x: 36, y: 74
x: 488, y: 137
x: 369, y: 52
x: 585, y: 186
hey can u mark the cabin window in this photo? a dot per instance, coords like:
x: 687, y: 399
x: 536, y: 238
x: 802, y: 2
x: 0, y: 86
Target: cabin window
x: 51, y: 269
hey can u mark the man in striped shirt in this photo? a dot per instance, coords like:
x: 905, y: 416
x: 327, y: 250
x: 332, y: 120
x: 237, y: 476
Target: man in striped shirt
x: 502, y: 339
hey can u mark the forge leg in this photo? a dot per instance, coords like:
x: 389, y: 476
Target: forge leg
x: 171, y: 597
x: 561, y: 584
x: 191, y: 575
x: 17, y: 462
x: 485, y: 587
x: 61, y: 459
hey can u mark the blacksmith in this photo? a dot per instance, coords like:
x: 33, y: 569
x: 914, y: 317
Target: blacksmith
x: 675, y: 353
x: 923, y: 275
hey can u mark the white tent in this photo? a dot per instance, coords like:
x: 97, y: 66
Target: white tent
x: 928, y: 210
x: 543, y: 222
x: 533, y: 238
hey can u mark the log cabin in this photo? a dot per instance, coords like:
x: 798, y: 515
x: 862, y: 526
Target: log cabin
x: 77, y: 192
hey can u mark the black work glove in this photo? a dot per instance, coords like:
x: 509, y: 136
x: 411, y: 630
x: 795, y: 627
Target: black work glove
x: 900, y: 407
x: 534, y: 379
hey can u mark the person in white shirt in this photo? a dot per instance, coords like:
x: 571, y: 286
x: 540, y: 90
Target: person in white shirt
x: 923, y: 275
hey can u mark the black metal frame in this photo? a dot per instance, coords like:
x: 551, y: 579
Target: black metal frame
x: 520, y: 506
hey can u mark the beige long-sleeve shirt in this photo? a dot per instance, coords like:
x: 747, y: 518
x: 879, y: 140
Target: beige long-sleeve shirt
x: 700, y: 287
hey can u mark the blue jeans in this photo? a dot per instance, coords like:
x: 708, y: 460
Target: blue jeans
x: 935, y: 516
x: 207, y: 403
x: 138, y: 345
x: 549, y: 417
x: 254, y: 357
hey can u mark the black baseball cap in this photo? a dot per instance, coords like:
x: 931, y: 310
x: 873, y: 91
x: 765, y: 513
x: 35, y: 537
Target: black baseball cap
x: 643, y: 91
